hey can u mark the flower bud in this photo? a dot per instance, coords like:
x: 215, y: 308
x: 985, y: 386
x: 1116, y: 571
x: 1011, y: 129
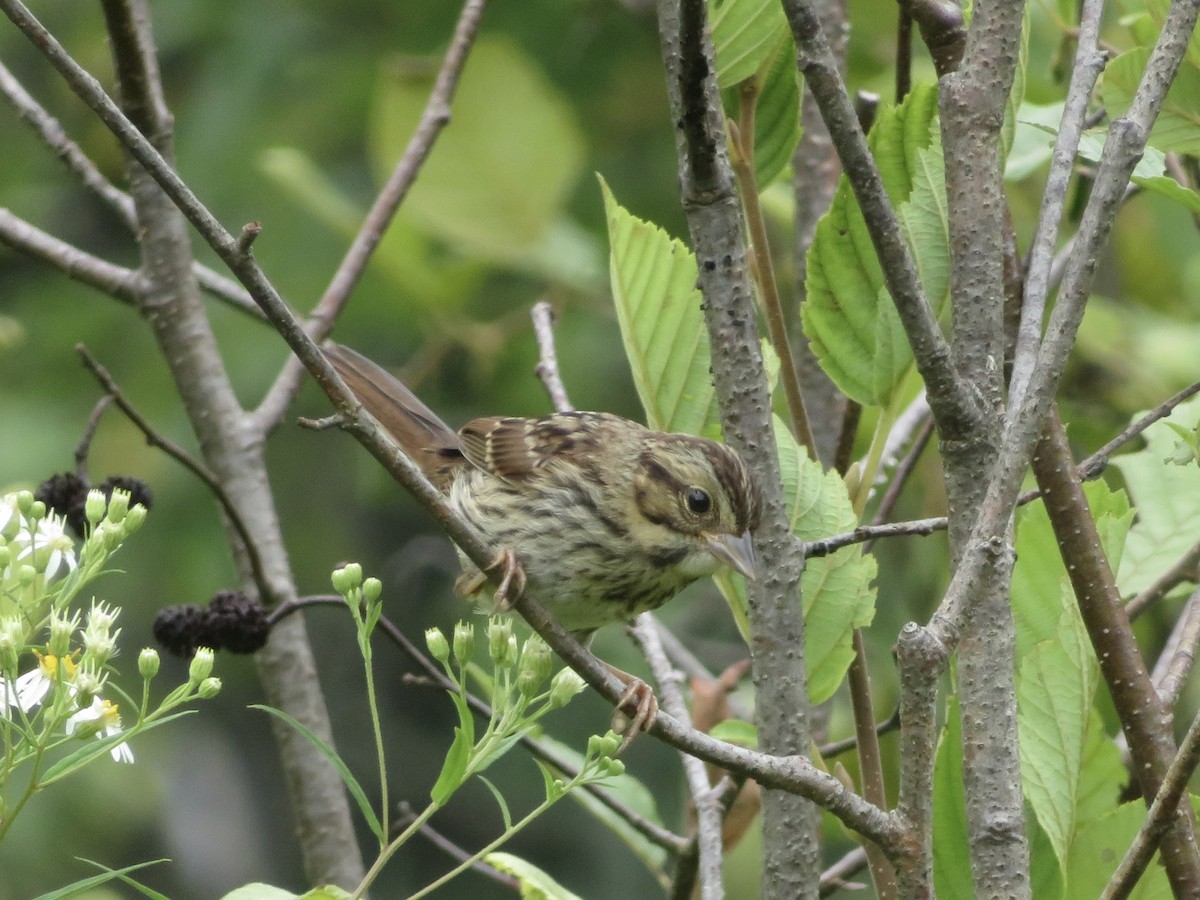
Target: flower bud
x: 209, y: 688
x: 437, y: 644
x: 148, y: 663
x: 134, y: 519
x: 87, y: 681
x: 26, y: 574
x: 94, y: 506
x: 12, y: 636
x: 62, y: 629
x: 5, y: 555
x: 600, y: 746
x: 30, y: 508
x: 502, y: 646
x: 372, y: 588
x: 118, y: 506
x: 565, y: 685
x: 535, y: 665
x: 201, y: 666
x: 347, y: 578
x: 464, y: 642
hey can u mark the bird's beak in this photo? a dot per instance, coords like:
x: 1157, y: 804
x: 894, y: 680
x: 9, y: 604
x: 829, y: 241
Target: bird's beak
x: 734, y: 551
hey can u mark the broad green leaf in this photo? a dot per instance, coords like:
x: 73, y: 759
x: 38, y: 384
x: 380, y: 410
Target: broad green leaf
x: 352, y: 785
x: 1178, y: 124
x: 736, y: 731
x: 1055, y: 685
x: 1150, y: 172
x: 1157, y: 12
x: 745, y: 33
x: 503, y: 170
x: 848, y: 314
x: 658, y: 308
x: 630, y: 791
x: 260, y: 891
x: 1040, y: 589
x: 951, y: 856
x: 535, y: 884
x: 1099, y: 849
x: 1033, y: 139
x: 454, y: 767
x: 1168, y: 501
x: 1100, y: 776
x: 777, y: 114
x: 1045, y: 871
x: 838, y: 594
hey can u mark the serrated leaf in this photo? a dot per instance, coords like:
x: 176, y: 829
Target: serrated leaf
x: 1055, y: 686
x: 1100, y: 848
x: 1168, y: 502
x: 837, y: 589
x: 1149, y: 173
x: 744, y: 34
x: 535, y: 884
x: 658, y: 308
x: 848, y: 314
x: 1178, y: 125
x: 777, y: 113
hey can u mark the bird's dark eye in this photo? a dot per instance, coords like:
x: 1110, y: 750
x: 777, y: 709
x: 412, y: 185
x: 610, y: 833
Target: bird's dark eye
x: 698, y: 501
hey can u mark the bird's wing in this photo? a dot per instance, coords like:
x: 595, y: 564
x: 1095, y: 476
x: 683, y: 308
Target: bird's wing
x: 515, y: 448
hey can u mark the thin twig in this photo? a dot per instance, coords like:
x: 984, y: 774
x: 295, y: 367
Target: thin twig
x: 834, y: 878
x: 434, y: 118
x: 89, y: 432
x: 52, y: 134
x: 1178, y: 654
x: 124, y: 284
x: 837, y: 748
x: 708, y: 812
x: 547, y: 367
x: 764, y: 267
x: 1159, y: 817
x: 1186, y: 568
x: 177, y: 453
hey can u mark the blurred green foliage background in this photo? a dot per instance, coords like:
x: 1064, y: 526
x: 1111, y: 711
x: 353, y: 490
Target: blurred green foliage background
x: 292, y: 114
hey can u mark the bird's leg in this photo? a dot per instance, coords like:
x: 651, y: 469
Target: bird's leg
x: 637, y: 705
x: 512, y: 583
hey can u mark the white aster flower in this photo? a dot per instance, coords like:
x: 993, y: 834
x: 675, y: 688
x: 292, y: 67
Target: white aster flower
x: 31, y: 688
x: 48, y: 547
x: 102, y: 718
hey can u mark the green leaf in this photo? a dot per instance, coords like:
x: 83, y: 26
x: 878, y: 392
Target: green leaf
x: 1016, y: 96
x: 1178, y: 125
x: 951, y: 855
x: 454, y: 768
x: 94, y: 748
x: 502, y: 173
x: 535, y: 884
x: 1157, y: 13
x: 1168, y: 501
x: 1148, y: 173
x: 658, y: 308
x: 777, y: 113
x: 260, y: 891
x: 745, y: 33
x: 85, y: 884
x: 1033, y: 139
x: 736, y: 731
x: 1100, y: 847
x: 838, y: 595
x: 504, y: 813
x: 848, y: 315
x: 330, y: 754
x: 1055, y: 686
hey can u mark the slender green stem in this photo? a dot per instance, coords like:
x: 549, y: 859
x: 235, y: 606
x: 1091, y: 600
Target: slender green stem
x: 764, y: 269
x: 391, y: 848
x: 474, y: 858
x: 376, y: 728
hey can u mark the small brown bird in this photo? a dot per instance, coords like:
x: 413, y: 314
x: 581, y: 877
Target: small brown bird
x: 606, y: 518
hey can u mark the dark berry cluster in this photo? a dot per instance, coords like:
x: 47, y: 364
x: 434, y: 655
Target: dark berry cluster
x: 66, y: 494
x: 231, y: 621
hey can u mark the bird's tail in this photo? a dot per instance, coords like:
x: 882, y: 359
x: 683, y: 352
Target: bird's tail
x: 429, y: 441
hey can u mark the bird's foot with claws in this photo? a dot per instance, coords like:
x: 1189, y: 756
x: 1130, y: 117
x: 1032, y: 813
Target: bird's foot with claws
x: 636, y: 710
x: 512, y: 581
